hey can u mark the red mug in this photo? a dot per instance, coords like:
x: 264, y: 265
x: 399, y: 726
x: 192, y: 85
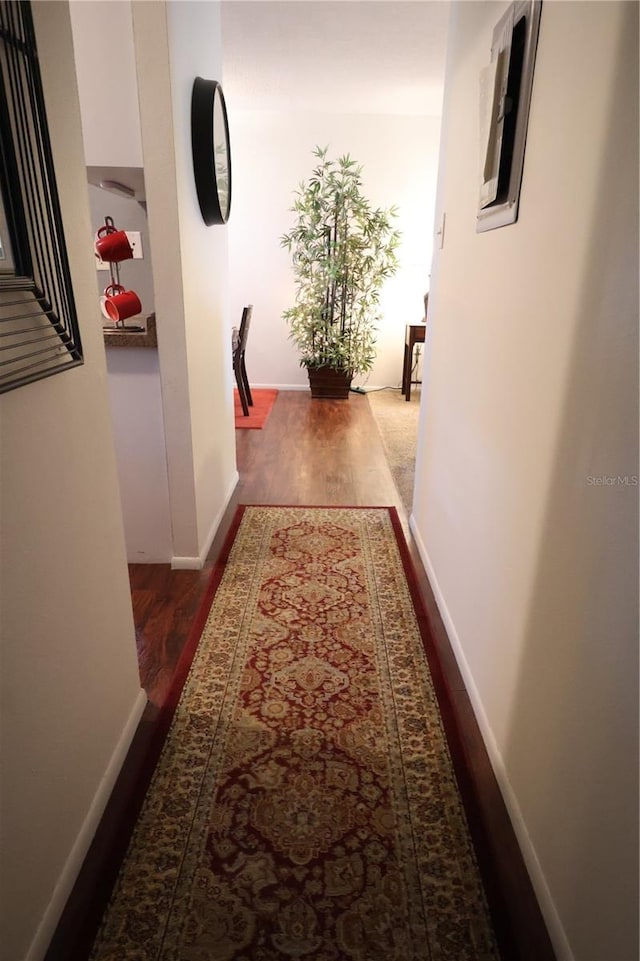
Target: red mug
x: 103, y: 308
x: 119, y: 304
x: 112, y: 245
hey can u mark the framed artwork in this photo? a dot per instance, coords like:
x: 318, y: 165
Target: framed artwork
x: 505, y: 95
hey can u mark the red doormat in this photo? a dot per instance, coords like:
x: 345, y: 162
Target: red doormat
x: 263, y: 400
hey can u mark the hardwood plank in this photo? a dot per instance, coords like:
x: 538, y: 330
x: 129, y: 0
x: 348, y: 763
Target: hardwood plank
x: 164, y: 605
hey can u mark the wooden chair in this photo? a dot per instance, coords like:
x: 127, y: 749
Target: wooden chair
x: 239, y: 344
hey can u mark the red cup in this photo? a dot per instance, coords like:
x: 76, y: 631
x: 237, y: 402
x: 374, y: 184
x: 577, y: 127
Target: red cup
x: 120, y: 304
x: 112, y: 245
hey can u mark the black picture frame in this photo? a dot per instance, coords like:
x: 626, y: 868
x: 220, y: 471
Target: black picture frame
x: 211, y: 150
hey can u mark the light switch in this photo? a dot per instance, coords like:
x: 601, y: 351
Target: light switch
x: 135, y: 239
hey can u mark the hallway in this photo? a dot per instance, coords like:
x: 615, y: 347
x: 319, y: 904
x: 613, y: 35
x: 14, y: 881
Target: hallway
x: 310, y: 453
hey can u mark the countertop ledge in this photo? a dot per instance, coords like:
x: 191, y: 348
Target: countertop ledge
x: 132, y: 338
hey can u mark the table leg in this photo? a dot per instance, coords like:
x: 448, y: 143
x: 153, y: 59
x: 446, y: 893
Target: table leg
x: 406, y: 372
x: 408, y: 365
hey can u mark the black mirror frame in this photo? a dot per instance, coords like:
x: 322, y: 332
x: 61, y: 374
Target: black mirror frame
x: 203, y: 98
x: 41, y: 335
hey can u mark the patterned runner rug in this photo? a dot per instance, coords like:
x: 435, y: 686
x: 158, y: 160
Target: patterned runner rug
x: 304, y: 805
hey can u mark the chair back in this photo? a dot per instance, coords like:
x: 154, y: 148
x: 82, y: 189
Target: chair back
x: 244, y: 327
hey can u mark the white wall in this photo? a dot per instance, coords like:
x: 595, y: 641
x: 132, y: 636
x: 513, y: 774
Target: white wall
x: 271, y: 155
x: 136, y: 411
x: 70, y: 688
x: 532, y: 393
x: 174, y: 43
x: 195, y: 45
x: 180, y: 428
x: 108, y: 92
x: 136, y: 399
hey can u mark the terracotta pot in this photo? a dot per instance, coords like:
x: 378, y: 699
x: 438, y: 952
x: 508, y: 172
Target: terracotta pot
x: 330, y: 383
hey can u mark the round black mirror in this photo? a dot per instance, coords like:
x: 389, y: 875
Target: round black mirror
x: 211, y: 151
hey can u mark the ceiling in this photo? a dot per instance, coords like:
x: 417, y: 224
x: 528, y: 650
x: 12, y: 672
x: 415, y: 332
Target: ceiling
x: 363, y: 56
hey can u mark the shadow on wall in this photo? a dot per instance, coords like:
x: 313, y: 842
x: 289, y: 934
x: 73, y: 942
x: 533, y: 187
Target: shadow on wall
x: 573, y: 732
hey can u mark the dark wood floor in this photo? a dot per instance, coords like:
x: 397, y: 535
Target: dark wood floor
x: 311, y: 452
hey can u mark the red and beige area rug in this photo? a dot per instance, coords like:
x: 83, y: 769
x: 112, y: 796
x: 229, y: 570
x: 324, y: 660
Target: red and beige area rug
x: 304, y: 805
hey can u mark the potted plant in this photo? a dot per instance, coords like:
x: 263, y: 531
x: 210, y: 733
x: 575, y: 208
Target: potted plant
x: 342, y: 252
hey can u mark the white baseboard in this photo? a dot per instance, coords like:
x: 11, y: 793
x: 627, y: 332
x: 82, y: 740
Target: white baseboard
x: 71, y: 869
x: 187, y: 563
x: 556, y: 930
x: 197, y: 563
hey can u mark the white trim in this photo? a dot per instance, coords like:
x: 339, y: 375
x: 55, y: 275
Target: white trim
x: 187, y: 563
x: 71, y: 869
x: 197, y: 563
x: 556, y: 930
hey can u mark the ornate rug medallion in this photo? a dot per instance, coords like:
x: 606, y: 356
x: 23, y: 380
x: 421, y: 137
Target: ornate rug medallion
x: 304, y: 805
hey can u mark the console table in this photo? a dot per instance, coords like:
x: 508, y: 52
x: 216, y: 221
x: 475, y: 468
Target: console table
x: 414, y: 334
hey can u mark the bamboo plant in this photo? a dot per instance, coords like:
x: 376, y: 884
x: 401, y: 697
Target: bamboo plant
x: 343, y: 250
